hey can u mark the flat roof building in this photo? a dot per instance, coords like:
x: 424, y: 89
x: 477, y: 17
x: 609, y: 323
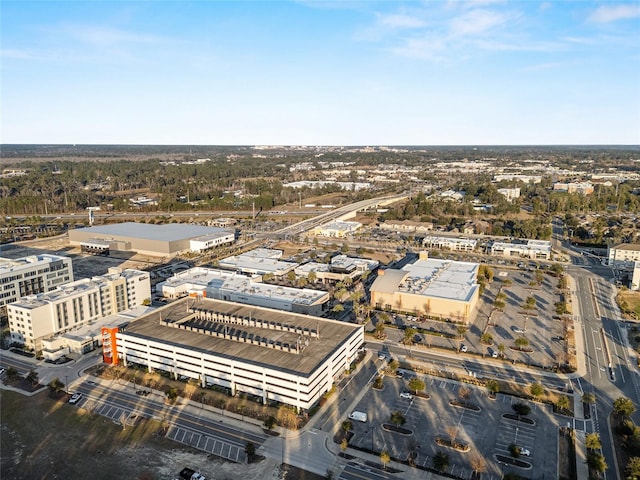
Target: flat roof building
x: 70, y: 306
x: 150, y: 239
x: 260, y: 261
x: 284, y: 357
x: 450, y: 243
x: 536, y: 249
x: 235, y: 287
x: 337, y: 229
x: 624, y: 255
x: 430, y: 287
x: 32, y: 275
x: 340, y: 267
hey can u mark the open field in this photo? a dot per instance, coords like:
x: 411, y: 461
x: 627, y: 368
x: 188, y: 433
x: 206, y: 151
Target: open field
x: 45, y: 438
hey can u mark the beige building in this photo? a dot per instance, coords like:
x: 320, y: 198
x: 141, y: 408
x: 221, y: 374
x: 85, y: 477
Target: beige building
x: 433, y: 287
x: 624, y: 255
x: 73, y: 305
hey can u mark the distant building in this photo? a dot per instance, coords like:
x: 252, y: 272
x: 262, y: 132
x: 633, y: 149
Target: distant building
x: 510, y: 193
x: 337, y: 229
x: 406, y: 226
x: 434, y: 287
x: 450, y: 243
x: 536, y: 249
x: 340, y: 267
x: 259, y: 261
x: 35, y: 317
x: 284, y: 357
x: 235, y: 287
x: 635, y: 277
x: 583, y: 188
x: 519, y: 177
x: 624, y: 255
x: 150, y: 239
x: 32, y: 275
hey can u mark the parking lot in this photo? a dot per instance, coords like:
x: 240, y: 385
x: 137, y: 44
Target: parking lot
x: 486, y: 431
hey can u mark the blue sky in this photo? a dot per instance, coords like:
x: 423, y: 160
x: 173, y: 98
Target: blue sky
x: 320, y: 72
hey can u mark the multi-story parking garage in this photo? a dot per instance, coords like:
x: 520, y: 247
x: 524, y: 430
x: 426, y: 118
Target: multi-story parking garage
x: 277, y: 356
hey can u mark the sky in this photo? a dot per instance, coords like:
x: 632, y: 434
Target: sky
x: 307, y: 72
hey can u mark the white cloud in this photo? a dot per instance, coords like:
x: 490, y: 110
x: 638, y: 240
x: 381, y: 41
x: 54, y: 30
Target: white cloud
x: 612, y: 13
x: 477, y: 21
x: 400, y: 21
x: 98, y: 35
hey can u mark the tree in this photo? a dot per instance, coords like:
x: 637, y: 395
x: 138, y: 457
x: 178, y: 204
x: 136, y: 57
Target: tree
x: 287, y: 417
x: 632, y: 470
x: 172, y: 394
x: 250, y: 450
x: 521, y: 343
x: 337, y: 308
x: 379, y: 329
x: 592, y: 441
x: 346, y: 426
x: 269, y: 422
x: 563, y: 403
x: 440, y: 461
x: 32, y: 377
x: 501, y: 349
x: 596, y: 462
x: 56, y: 386
x: 344, y: 444
x: 624, y: 406
x: 589, y: 398
x: 385, y: 458
x: 536, y: 390
x: 499, y: 304
x: 394, y: 365
x: 521, y: 408
x: 397, y: 418
x: 416, y: 384
x: 478, y: 464
x: 493, y: 386
x: 408, y: 336
x: 514, y: 450
x: 486, y: 339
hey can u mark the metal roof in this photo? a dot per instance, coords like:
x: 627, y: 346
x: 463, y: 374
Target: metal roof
x: 169, y: 233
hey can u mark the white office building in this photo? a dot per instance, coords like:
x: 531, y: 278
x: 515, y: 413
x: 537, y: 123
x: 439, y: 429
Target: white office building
x: 535, y: 249
x: 450, y: 243
x: 340, y: 267
x: 70, y: 306
x: 285, y: 357
x: 624, y: 255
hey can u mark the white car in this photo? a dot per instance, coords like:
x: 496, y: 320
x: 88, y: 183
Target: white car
x: 75, y: 398
x: 463, y: 348
x: 406, y: 395
x: 525, y: 452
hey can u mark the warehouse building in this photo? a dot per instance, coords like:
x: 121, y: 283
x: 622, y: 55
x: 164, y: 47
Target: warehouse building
x: 432, y: 287
x: 283, y: 357
x: 150, y: 239
x: 32, y: 275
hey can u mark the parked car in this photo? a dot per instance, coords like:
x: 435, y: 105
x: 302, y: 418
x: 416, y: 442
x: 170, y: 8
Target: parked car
x: 463, y: 348
x: 75, y: 398
x: 525, y: 452
x: 406, y: 395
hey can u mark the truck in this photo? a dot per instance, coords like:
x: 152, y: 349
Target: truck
x: 358, y: 416
x: 191, y: 474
